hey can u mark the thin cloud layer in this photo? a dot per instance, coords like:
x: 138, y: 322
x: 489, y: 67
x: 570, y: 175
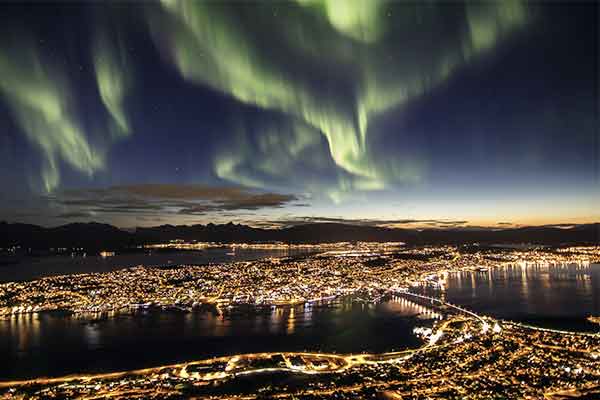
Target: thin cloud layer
x: 468, y: 110
x: 164, y: 199
x: 390, y: 223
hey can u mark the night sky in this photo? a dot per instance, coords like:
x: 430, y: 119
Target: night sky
x: 275, y: 113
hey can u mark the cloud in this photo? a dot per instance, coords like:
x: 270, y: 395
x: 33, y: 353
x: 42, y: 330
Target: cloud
x: 165, y: 199
x: 75, y: 215
x: 391, y: 223
x: 183, y: 192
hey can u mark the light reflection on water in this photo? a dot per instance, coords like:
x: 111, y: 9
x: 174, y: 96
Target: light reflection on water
x: 54, y: 345
x: 551, y: 295
x: 29, y: 268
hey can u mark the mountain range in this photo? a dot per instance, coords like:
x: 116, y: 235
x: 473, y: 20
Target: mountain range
x: 95, y: 236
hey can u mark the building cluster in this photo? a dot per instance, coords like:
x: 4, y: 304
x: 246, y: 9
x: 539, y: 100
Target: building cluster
x: 463, y: 355
x: 472, y: 357
x: 178, y: 244
x: 269, y: 282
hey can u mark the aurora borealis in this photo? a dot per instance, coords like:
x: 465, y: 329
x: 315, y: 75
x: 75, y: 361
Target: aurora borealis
x: 460, y: 113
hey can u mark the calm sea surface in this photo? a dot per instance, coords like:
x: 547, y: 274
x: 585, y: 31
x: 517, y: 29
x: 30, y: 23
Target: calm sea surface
x: 52, y: 345
x: 33, y: 268
x: 558, y: 296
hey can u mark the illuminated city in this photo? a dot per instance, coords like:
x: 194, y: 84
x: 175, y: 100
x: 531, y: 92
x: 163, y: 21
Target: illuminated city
x: 299, y: 199
x: 465, y: 354
x: 270, y: 282
x: 466, y: 360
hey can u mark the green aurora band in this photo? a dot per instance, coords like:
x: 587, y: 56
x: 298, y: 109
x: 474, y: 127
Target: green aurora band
x: 40, y: 99
x: 326, y: 70
x: 113, y: 80
x: 346, y: 44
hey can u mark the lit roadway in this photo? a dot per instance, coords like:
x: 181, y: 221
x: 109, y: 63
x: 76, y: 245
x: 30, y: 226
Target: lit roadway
x: 454, y: 358
x: 470, y: 344
x: 314, y: 363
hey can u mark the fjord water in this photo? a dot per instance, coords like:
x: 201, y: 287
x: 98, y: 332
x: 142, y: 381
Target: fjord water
x: 29, y: 268
x: 557, y: 296
x: 53, y: 345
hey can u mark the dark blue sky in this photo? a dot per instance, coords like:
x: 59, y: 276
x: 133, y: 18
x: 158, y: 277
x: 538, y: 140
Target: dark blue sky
x: 270, y: 113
